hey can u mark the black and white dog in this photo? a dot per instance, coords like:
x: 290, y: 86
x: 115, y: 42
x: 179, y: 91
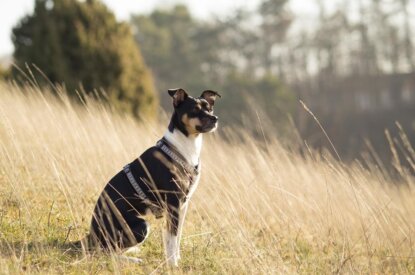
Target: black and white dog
x: 160, y: 181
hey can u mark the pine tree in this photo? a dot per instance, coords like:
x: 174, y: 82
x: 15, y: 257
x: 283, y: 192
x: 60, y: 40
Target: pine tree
x: 82, y: 44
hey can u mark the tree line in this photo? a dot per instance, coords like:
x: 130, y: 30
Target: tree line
x: 261, y: 60
x: 271, y: 57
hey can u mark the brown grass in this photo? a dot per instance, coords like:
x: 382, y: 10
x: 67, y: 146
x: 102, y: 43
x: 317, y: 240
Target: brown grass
x: 259, y: 209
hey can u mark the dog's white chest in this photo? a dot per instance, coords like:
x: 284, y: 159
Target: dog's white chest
x: 189, y: 147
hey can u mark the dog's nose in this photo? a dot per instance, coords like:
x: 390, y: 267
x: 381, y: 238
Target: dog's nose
x: 214, y: 118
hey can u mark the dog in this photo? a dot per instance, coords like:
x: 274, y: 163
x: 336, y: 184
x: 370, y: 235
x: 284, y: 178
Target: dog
x: 160, y: 182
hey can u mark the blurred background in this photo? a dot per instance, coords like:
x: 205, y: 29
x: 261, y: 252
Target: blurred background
x: 352, y: 62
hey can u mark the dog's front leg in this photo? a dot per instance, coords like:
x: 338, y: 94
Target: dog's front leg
x: 171, y: 231
x: 182, y: 216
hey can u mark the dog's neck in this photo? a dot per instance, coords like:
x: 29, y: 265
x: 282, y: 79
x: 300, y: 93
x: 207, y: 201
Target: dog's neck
x: 188, y: 146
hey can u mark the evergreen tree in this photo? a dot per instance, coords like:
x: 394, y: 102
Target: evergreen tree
x: 81, y: 43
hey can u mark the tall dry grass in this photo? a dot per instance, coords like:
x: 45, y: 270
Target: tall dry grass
x: 259, y: 208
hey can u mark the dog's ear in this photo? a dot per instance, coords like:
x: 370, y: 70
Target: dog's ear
x: 210, y: 96
x: 178, y: 95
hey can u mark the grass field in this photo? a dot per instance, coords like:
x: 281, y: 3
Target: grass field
x: 261, y: 208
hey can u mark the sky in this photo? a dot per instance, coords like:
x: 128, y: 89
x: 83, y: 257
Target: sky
x: 12, y: 11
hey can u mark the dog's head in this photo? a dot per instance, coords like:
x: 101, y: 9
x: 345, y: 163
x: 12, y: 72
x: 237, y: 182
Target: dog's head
x: 194, y: 115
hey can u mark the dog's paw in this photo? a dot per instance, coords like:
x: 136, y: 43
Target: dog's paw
x: 173, y: 262
x: 178, y: 257
x: 133, y: 250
